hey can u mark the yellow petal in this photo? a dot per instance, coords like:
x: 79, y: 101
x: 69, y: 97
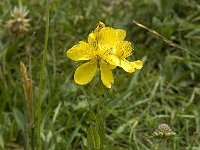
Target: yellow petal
x: 112, y: 66
x: 85, y: 72
x: 131, y: 66
x: 124, y: 49
x: 111, y: 59
x: 122, y: 62
x: 107, y: 38
x: 127, y: 66
x: 121, y: 34
x: 137, y: 64
x: 92, y: 37
x: 106, y: 74
x: 81, y: 51
x: 100, y: 26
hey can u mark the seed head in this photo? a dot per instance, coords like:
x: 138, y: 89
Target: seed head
x: 18, y: 24
x: 163, y: 130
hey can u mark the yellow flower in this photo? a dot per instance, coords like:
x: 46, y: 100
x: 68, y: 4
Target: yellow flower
x: 105, y: 50
x: 115, y: 50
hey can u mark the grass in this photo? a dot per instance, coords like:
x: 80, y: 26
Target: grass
x: 44, y: 60
x: 166, y: 90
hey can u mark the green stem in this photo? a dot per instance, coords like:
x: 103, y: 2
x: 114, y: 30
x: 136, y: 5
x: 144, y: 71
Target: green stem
x: 32, y: 139
x: 31, y: 121
x: 42, y: 77
x: 26, y: 127
x: 164, y: 144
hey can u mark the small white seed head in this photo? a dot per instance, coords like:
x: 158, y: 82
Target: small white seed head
x: 163, y: 130
x: 18, y: 24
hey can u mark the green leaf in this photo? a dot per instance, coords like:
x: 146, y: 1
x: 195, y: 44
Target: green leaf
x: 93, y: 139
x: 84, y: 147
x: 1, y: 142
x: 100, y: 124
x: 20, y: 119
x: 91, y: 113
x: 101, y: 132
x: 99, y: 89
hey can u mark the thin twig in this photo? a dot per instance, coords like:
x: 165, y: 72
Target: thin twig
x: 169, y: 42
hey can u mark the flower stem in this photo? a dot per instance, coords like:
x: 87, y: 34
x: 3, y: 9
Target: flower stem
x: 42, y: 77
x: 164, y: 144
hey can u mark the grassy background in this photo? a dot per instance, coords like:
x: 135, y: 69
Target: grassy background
x: 166, y: 90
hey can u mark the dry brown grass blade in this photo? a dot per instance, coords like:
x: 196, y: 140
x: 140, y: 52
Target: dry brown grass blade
x: 27, y: 84
x: 169, y: 42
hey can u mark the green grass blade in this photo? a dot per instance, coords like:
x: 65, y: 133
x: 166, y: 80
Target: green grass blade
x: 42, y: 78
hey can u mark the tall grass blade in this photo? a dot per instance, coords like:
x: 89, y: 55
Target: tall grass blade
x: 42, y: 78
